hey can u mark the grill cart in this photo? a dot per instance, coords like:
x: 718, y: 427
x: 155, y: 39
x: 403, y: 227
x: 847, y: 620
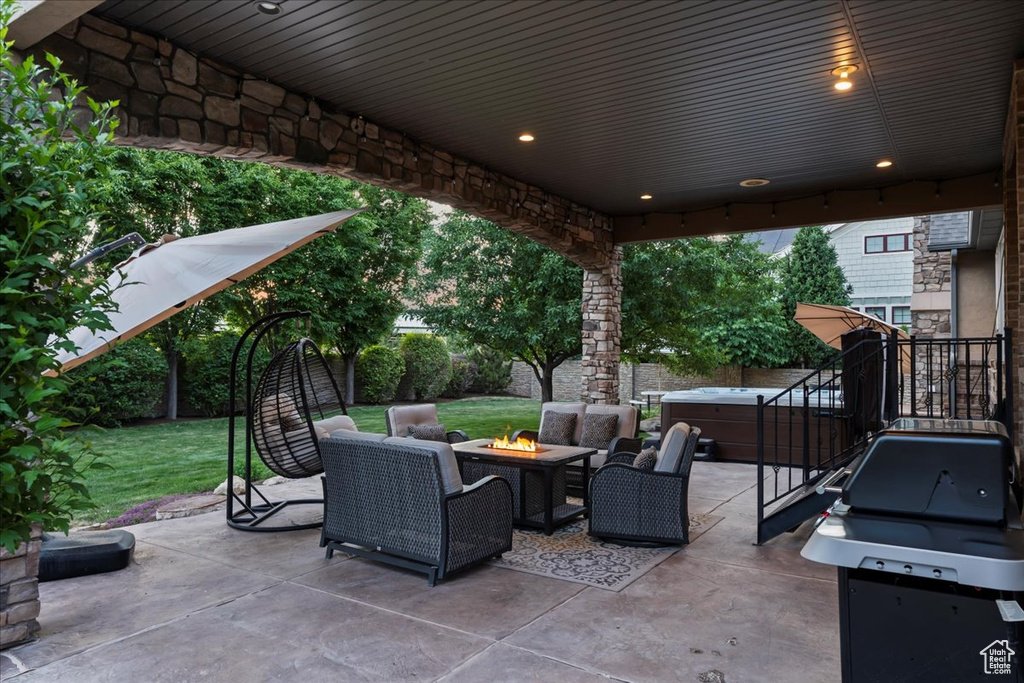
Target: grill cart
x: 928, y: 538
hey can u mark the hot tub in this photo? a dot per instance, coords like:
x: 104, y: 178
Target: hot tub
x: 729, y: 416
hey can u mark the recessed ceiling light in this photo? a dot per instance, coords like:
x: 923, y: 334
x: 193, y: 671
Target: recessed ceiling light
x: 754, y: 182
x: 646, y: 196
x: 266, y: 7
x: 525, y: 137
x: 843, y: 74
x: 884, y: 163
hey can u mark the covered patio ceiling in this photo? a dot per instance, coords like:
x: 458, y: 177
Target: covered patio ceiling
x: 679, y: 100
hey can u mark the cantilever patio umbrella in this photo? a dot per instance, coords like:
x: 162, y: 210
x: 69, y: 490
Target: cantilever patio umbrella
x: 830, y: 323
x: 161, y: 279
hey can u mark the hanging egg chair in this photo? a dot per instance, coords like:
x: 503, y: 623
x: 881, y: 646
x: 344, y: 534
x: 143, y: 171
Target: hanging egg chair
x: 296, y: 401
x: 293, y: 404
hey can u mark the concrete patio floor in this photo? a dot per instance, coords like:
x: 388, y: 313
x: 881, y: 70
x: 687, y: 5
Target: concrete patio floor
x: 203, y: 602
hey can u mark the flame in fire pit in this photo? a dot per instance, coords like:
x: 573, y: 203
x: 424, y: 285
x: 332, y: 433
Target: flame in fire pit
x: 519, y: 444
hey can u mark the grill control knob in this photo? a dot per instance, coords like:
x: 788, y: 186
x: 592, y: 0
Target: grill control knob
x: 937, y: 573
x: 907, y: 568
x: 880, y: 564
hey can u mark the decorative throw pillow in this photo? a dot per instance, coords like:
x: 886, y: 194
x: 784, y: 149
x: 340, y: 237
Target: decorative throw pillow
x: 598, y: 430
x: 646, y: 459
x: 557, y: 428
x: 429, y: 432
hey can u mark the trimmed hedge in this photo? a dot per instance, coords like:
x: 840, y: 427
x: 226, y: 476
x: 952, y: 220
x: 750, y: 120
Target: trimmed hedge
x: 207, y: 372
x: 125, y: 384
x: 428, y: 367
x: 493, y: 373
x: 379, y: 369
x: 463, y: 376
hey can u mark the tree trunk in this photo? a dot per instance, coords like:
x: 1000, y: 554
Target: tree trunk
x: 547, y: 385
x: 350, y: 378
x: 172, y: 385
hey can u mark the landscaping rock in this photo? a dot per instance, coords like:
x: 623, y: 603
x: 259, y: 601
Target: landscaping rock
x: 274, y: 481
x: 237, y: 484
x: 188, y: 507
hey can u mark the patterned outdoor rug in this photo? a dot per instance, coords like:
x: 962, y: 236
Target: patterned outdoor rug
x: 569, y: 554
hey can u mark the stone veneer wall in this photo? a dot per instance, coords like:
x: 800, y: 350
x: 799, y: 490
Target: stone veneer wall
x: 19, y: 591
x: 174, y: 99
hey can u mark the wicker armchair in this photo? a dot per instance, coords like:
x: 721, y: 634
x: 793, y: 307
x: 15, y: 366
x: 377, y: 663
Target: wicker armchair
x: 645, y: 506
x: 401, y: 501
x: 400, y: 418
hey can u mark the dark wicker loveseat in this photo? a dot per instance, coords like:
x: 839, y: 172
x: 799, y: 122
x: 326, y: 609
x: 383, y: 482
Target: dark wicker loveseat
x: 645, y: 505
x: 401, y: 501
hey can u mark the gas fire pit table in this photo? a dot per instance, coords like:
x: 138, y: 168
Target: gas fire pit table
x: 537, y: 479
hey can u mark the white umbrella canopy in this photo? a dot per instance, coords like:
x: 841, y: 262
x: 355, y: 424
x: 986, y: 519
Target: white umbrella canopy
x: 161, y: 279
x: 830, y: 323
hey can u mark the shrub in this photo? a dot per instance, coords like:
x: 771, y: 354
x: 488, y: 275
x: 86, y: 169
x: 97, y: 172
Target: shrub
x: 493, y: 374
x: 463, y: 376
x: 379, y: 370
x: 428, y: 366
x: 45, y: 212
x: 207, y: 377
x: 127, y: 384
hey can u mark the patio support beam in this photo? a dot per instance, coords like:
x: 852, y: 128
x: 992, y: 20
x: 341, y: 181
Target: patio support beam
x: 840, y: 206
x: 1013, y: 234
x: 173, y: 99
x: 602, y: 331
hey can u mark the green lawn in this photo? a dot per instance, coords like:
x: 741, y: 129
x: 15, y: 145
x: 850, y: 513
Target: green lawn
x: 190, y: 456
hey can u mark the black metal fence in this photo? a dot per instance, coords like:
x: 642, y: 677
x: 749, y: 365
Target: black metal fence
x: 823, y: 421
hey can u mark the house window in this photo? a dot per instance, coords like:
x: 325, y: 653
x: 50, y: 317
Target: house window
x: 888, y: 244
x: 877, y: 311
x: 901, y: 315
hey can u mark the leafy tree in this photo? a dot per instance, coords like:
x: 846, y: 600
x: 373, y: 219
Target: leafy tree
x: 155, y: 194
x: 493, y: 287
x: 352, y: 282
x: 743, y: 317
x: 45, y: 219
x: 812, y: 275
x: 698, y: 304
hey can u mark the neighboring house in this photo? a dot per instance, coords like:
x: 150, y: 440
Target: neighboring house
x: 935, y: 276
x: 877, y: 258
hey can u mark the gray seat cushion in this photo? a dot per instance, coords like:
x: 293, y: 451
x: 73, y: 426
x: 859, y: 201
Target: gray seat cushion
x: 360, y: 436
x: 451, y: 481
x: 672, y: 445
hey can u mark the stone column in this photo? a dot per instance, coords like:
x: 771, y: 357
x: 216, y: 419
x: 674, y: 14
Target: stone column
x: 602, y: 331
x: 19, y: 591
x: 1013, y: 222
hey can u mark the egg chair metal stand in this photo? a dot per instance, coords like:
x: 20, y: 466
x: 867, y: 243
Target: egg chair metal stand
x: 284, y: 408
